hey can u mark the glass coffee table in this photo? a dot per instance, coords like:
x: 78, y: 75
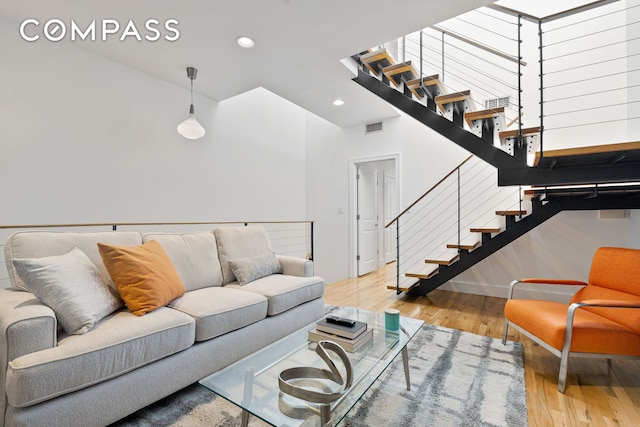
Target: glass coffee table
x: 252, y: 382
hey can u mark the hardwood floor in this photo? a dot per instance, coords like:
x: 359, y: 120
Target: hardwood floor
x: 595, y: 396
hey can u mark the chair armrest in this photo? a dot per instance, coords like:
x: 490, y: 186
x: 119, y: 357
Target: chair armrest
x: 540, y: 281
x: 294, y: 266
x: 607, y: 303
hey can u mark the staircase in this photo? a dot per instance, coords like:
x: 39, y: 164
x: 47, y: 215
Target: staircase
x: 594, y: 178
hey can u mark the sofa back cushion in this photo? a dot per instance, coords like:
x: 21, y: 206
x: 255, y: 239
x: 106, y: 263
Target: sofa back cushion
x: 194, y: 255
x: 240, y: 242
x: 38, y: 244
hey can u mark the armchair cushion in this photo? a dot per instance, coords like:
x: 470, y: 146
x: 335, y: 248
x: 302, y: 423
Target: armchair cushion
x: 591, y: 333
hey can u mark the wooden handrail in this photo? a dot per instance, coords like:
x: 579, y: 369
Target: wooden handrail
x: 117, y: 224
x: 429, y: 191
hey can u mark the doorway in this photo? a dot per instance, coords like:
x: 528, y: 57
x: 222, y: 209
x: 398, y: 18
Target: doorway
x: 375, y: 203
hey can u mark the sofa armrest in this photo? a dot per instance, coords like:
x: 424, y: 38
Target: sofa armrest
x: 294, y: 266
x: 26, y: 324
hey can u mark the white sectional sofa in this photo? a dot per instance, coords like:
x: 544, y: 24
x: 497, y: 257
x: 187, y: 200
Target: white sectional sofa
x: 123, y: 362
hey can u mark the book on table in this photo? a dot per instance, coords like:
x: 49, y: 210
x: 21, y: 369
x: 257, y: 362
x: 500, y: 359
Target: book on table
x: 349, y: 345
x: 344, y: 331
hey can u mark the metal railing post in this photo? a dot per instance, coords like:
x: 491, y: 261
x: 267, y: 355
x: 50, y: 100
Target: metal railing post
x: 398, y: 256
x: 520, y: 140
x: 541, y: 90
x: 311, y: 241
x: 442, y: 54
x: 459, y: 207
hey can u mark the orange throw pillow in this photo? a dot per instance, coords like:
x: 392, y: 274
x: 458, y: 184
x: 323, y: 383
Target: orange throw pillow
x: 144, y: 275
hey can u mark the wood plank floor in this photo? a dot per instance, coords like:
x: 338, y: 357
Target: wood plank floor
x: 595, y: 396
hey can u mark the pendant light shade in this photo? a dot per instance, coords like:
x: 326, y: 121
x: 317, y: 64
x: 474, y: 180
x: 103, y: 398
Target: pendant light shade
x: 190, y: 128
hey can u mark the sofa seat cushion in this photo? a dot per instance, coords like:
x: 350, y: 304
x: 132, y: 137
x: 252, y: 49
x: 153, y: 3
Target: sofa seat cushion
x: 219, y: 310
x: 284, y: 292
x: 118, y: 344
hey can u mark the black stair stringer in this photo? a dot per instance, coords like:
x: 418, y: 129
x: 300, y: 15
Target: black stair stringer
x: 435, y: 121
x: 520, y: 228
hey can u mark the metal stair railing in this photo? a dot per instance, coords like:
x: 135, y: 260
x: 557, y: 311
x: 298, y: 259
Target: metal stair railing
x: 466, y: 197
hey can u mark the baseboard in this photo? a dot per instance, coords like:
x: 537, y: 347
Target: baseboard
x: 546, y: 292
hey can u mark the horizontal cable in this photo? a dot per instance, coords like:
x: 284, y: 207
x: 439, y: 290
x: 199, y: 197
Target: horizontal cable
x: 495, y: 17
x: 590, y: 19
x: 590, y: 49
x: 591, y: 108
x: 590, y: 123
x: 483, y: 29
x: 591, y: 78
x: 590, y: 64
x: 546, y: 101
x: 591, y: 34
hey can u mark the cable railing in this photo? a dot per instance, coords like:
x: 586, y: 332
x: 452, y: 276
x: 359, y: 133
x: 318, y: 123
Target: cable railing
x: 477, y: 61
x: 465, y: 198
x: 590, y: 74
x: 293, y: 238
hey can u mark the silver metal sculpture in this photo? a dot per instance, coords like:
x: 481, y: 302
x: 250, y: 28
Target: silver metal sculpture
x: 289, y: 377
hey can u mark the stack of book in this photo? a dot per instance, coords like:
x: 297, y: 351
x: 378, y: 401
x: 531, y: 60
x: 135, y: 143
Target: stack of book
x: 350, y: 334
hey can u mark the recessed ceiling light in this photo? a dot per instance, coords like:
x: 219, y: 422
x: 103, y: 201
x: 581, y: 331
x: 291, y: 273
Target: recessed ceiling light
x: 338, y: 102
x: 245, y: 41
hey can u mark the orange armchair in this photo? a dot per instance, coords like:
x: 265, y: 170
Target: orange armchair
x: 601, y: 320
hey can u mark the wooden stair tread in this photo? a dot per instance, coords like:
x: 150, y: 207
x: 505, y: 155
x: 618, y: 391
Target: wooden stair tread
x: 485, y: 230
x: 377, y: 57
x: 595, y: 151
x: 510, y: 213
x: 428, y: 82
x: 469, y: 246
x: 490, y: 113
x: 444, y: 259
x: 399, y: 69
x: 513, y: 133
x: 449, y: 98
x: 405, y: 285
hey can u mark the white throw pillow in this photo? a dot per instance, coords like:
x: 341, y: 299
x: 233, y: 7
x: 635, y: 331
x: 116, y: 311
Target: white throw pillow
x: 72, y: 287
x: 249, y: 269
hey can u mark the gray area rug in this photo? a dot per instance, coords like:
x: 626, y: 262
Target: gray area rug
x: 457, y: 379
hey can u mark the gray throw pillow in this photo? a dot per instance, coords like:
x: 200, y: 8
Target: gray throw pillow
x: 249, y: 269
x: 72, y: 287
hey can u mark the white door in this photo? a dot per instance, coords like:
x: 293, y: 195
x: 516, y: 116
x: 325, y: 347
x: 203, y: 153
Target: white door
x: 390, y: 206
x: 367, y: 220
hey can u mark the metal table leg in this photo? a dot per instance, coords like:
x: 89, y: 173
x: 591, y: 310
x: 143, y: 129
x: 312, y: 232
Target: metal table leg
x: 405, y: 362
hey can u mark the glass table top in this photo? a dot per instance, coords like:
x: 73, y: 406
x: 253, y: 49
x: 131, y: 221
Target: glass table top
x: 252, y: 382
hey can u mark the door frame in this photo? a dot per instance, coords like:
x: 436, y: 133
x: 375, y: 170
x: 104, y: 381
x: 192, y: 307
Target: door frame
x: 353, y: 201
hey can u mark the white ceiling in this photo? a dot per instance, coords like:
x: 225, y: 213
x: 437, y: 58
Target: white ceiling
x: 299, y: 43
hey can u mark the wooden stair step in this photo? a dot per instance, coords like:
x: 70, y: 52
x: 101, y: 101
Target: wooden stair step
x: 444, y: 259
x: 496, y: 114
x: 492, y: 230
x: 468, y: 246
x: 511, y: 213
x: 453, y: 97
x: 514, y: 133
x: 429, y: 84
x: 605, y: 155
x: 396, y: 72
x: 405, y: 285
x: 375, y: 61
x: 426, y: 272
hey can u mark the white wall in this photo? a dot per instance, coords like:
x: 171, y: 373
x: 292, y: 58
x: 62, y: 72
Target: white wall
x: 85, y: 139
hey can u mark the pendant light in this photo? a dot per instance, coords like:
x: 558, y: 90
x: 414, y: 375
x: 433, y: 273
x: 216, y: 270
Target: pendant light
x: 190, y: 128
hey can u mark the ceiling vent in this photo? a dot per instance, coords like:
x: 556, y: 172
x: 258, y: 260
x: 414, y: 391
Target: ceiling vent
x: 373, y: 127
